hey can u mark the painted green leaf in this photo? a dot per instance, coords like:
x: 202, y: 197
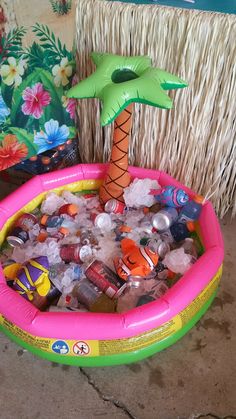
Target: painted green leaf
x: 36, y: 57
x: 7, y: 92
x: 73, y: 132
x: 2, y: 135
x: 54, y: 110
x: 27, y: 138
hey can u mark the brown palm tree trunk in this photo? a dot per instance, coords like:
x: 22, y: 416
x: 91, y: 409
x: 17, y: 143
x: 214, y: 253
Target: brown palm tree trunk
x: 118, y: 177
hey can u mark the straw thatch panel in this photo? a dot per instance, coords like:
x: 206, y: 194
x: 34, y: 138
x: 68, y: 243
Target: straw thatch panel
x: 195, y: 141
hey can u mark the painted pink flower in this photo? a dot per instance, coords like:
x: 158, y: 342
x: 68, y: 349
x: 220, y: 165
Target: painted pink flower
x: 11, y: 151
x: 71, y: 107
x: 35, y: 99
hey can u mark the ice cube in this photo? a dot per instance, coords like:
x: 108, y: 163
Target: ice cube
x: 52, y: 203
x: 70, y: 198
x: 178, y: 261
x: 137, y: 193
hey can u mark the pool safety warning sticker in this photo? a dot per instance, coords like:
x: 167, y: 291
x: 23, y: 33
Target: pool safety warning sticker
x: 109, y: 347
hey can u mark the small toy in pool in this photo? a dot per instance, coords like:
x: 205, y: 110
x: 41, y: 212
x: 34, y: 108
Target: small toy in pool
x: 33, y: 277
x: 136, y: 260
x: 170, y: 196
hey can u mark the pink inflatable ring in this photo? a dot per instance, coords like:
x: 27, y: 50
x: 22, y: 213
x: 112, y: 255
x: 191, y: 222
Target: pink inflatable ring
x: 94, y: 339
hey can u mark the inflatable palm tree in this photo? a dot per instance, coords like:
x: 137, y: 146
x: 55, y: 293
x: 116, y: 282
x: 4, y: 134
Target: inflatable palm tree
x: 119, y: 82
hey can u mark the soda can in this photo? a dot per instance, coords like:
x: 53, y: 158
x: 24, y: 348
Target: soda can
x: 164, y: 219
x: 114, y: 206
x: 26, y: 221
x: 75, y: 253
x: 17, y: 237
x: 105, y: 279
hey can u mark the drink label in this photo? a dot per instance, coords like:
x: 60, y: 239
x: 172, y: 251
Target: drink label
x: 104, y: 278
x: 184, y: 219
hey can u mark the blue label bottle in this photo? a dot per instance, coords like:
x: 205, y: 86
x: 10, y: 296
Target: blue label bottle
x: 191, y: 211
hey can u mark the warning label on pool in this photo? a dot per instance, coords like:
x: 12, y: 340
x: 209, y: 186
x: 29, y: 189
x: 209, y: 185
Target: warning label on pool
x: 91, y: 348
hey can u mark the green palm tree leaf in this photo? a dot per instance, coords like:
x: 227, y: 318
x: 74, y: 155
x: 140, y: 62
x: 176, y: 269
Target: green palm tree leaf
x: 119, y: 81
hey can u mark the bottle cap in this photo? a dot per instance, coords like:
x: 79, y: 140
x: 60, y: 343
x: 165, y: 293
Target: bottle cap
x: 42, y: 236
x: 73, y: 209
x: 170, y: 274
x: 64, y: 231
x: 190, y: 226
x: 43, y: 220
x: 125, y: 229
x: 70, y: 209
x: 199, y: 199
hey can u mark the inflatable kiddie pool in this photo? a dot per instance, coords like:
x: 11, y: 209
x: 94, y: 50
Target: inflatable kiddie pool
x: 98, y: 339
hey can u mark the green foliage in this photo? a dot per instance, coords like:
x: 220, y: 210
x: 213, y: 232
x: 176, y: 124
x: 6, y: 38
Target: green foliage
x: 55, y: 111
x: 54, y: 51
x: 7, y: 92
x: 61, y: 7
x: 35, y: 57
x: 11, y: 44
x: 40, y: 58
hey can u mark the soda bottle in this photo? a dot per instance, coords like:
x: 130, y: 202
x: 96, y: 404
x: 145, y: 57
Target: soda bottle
x: 92, y: 298
x: 51, y: 221
x: 57, y: 275
x: 135, y: 288
x: 190, y: 248
x: 69, y: 209
x: 191, y: 211
x: 157, y: 289
x: 178, y: 232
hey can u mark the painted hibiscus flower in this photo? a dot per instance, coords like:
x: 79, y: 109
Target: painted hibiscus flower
x: 52, y: 137
x: 70, y: 105
x: 11, y: 152
x: 36, y: 98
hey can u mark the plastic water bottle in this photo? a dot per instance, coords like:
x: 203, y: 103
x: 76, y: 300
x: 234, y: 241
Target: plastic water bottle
x: 51, y: 221
x: 64, y: 276
x: 134, y: 290
x: 190, y: 248
x: 191, y: 211
x: 178, y: 232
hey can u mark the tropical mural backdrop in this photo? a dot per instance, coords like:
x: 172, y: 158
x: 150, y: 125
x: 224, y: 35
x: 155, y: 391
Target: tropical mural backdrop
x: 35, y: 114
